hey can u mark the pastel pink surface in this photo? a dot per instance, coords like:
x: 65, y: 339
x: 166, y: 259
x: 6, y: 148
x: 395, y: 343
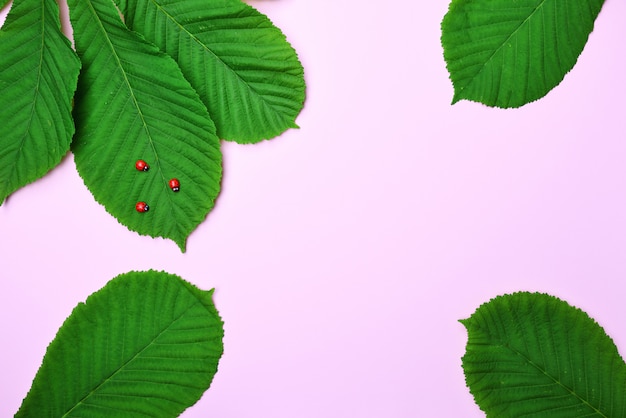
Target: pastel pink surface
x: 344, y: 253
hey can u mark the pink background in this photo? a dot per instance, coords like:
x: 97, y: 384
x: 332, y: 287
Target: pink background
x: 343, y: 253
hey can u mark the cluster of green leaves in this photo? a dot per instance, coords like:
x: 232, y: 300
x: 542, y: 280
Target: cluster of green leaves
x: 507, y: 53
x: 531, y: 354
x: 146, y: 344
x: 158, y: 80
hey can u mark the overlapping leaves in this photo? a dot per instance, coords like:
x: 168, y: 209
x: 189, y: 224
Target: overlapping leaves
x: 134, y: 104
x: 535, y: 355
x: 508, y: 53
x: 133, y: 101
x: 146, y: 344
x: 239, y: 62
x: 38, y: 73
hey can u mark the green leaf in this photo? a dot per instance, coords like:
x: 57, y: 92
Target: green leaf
x: 507, y: 53
x: 535, y: 355
x: 246, y: 73
x: 146, y: 344
x: 133, y: 103
x: 38, y: 73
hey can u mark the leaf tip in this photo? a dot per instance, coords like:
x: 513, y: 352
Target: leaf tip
x: 182, y: 244
x: 457, y: 97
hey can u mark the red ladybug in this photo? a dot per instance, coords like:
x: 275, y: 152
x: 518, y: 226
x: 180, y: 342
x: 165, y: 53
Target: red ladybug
x: 142, y: 207
x: 174, y: 185
x: 141, y: 165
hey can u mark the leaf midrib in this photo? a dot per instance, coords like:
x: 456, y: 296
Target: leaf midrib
x: 499, y: 48
x: 555, y: 380
x: 132, y: 95
x: 131, y: 359
x: 217, y: 57
x: 36, y: 94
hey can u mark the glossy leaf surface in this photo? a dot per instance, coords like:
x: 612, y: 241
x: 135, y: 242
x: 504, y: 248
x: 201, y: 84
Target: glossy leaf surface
x: 244, y: 70
x: 533, y: 355
x: 145, y: 345
x: 134, y: 103
x: 509, y: 53
x: 38, y: 73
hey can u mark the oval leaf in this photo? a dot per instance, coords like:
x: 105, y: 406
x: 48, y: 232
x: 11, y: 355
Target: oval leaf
x: 506, y: 54
x: 38, y: 73
x: 134, y: 104
x: 146, y: 344
x: 535, y: 355
x: 245, y: 71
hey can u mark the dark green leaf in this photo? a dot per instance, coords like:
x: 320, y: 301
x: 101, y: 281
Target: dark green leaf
x: 507, y: 53
x: 246, y: 73
x: 38, y: 73
x: 145, y: 345
x: 533, y: 355
x: 133, y: 103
